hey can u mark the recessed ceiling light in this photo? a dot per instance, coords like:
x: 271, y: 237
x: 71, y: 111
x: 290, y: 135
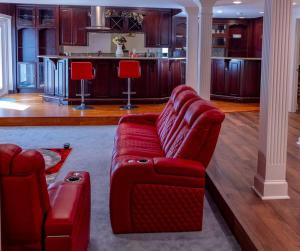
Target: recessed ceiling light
x: 261, y: 12
x: 237, y: 2
x: 294, y: 3
x: 219, y: 11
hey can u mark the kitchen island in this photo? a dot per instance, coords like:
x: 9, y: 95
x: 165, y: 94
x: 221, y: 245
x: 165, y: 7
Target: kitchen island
x: 159, y: 77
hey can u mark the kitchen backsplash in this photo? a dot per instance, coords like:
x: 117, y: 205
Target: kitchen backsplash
x: 103, y: 42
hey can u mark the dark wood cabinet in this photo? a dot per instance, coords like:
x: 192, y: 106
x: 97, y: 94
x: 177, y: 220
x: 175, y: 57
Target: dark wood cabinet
x: 165, y: 29
x: 179, y: 32
x: 7, y: 9
x: 158, y: 29
x: 238, y: 40
x: 73, y: 21
x: 237, y: 37
x: 257, y: 37
x: 170, y: 75
x: 235, y: 79
x: 65, y: 26
x: 218, y: 86
x: 43, y: 16
x: 36, y: 34
x: 80, y: 22
x: 26, y: 16
x: 159, y: 78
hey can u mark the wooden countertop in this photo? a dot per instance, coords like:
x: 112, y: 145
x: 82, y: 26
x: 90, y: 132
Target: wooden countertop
x: 237, y: 58
x: 107, y: 57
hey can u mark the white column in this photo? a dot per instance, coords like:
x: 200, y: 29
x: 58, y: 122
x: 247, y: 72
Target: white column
x: 192, y: 47
x: 293, y: 82
x: 270, y: 180
x: 205, y: 47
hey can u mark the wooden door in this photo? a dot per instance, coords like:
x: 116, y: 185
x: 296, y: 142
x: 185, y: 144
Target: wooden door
x: 175, y: 72
x: 65, y: 26
x: 79, y: 22
x: 151, y: 28
x: 257, y: 37
x: 233, y: 78
x: 238, y: 40
x: 165, y: 29
x: 26, y: 16
x: 218, y: 86
x: 117, y: 85
x: 101, y: 85
x: 164, y: 77
x: 179, y: 32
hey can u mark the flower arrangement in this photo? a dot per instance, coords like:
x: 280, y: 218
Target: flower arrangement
x: 119, y: 40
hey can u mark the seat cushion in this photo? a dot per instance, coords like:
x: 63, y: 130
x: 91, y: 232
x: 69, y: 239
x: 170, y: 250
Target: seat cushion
x: 137, y: 146
x: 133, y: 129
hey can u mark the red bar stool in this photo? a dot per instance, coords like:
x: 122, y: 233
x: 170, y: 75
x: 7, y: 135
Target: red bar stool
x: 129, y: 69
x: 82, y: 71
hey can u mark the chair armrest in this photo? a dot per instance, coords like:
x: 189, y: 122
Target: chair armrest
x: 179, y: 167
x: 146, y: 118
x: 70, y: 205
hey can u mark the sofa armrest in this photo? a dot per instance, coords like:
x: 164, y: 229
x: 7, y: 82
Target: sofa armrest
x: 146, y: 118
x: 131, y: 172
x: 70, y: 205
x: 179, y: 167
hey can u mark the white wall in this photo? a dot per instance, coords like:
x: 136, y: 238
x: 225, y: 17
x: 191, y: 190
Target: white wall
x: 97, y: 42
x: 103, y: 42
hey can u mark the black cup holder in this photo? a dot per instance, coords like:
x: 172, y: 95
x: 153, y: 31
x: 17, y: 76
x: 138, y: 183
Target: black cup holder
x: 74, y: 179
x: 142, y: 161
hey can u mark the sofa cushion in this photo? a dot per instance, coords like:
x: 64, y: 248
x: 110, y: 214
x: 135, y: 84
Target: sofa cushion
x: 175, y: 115
x: 196, y: 136
x: 136, y: 130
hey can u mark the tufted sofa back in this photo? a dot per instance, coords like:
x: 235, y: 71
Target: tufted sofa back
x: 190, y: 126
x: 24, y: 197
x: 175, y: 114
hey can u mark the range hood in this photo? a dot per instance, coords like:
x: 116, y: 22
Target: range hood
x: 97, y: 16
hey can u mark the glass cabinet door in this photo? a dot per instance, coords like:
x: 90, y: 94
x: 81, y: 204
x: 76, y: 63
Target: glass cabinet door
x: 26, y: 16
x: 46, y: 17
x: 26, y: 75
x: 41, y: 76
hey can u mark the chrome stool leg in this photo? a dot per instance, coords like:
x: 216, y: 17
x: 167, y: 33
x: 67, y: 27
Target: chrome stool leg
x: 82, y: 106
x: 129, y: 106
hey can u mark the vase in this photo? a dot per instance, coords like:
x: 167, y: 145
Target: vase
x: 119, y: 51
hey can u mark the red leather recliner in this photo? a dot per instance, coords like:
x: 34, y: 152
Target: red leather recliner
x: 158, y: 166
x: 34, y: 217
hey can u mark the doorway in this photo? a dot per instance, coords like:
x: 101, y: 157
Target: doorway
x: 6, y: 67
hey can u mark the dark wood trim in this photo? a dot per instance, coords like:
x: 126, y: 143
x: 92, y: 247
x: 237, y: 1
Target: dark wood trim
x: 232, y: 98
x: 232, y: 221
x: 97, y: 101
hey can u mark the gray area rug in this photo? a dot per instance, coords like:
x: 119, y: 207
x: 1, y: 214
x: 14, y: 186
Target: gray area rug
x: 92, y: 147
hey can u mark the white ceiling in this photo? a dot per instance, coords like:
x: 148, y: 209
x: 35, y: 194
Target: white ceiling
x: 248, y: 8
x: 127, y: 3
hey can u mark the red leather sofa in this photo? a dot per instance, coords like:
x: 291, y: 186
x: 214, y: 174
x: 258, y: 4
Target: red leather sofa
x: 34, y: 217
x: 158, y: 166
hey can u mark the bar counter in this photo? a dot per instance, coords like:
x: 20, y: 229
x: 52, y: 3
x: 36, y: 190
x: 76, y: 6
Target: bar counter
x: 159, y: 77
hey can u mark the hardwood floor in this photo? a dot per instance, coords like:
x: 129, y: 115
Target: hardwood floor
x: 258, y: 225
x: 29, y: 109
